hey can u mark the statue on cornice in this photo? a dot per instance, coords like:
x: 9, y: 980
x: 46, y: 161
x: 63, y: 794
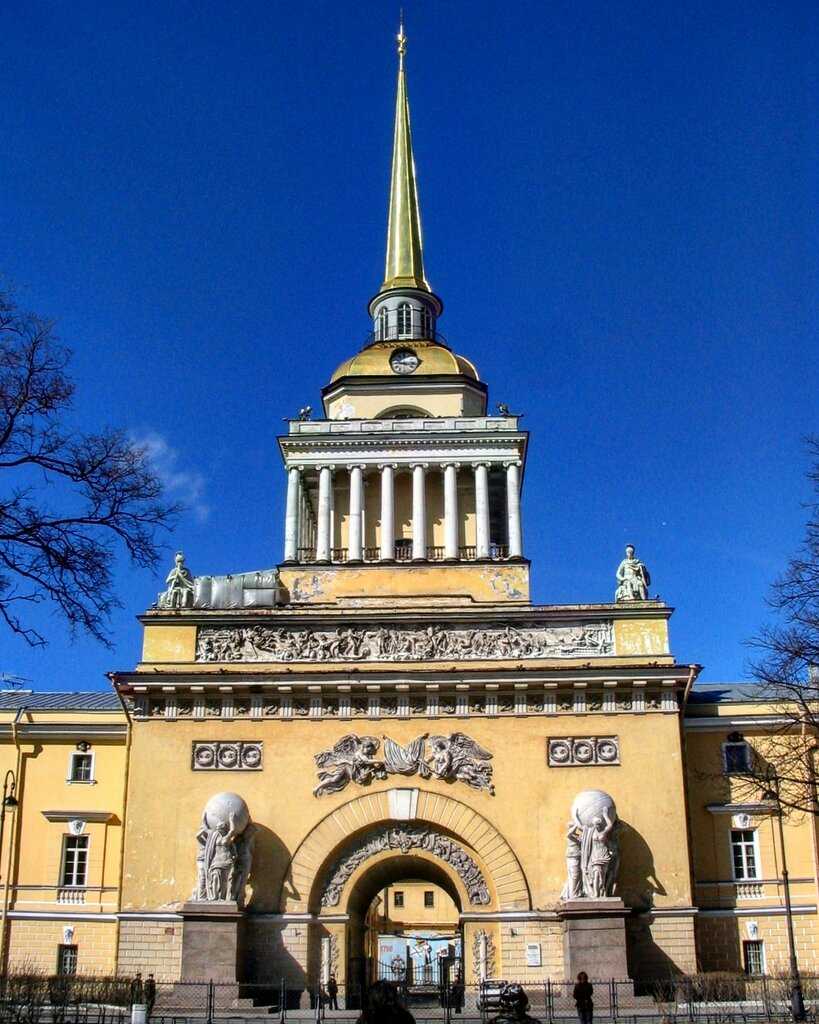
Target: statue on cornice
x: 633, y: 578
x: 178, y: 591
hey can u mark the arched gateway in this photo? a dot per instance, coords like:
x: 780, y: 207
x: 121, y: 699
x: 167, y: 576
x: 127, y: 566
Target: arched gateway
x: 372, y: 841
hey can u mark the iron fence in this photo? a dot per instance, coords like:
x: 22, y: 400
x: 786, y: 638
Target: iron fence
x: 704, y: 999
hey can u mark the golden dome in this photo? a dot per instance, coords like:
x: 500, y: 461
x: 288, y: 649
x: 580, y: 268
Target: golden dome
x: 434, y: 360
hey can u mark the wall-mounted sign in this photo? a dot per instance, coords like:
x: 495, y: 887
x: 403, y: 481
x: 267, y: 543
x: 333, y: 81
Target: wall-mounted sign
x: 533, y: 954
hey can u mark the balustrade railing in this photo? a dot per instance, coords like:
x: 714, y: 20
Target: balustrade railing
x: 71, y: 895
x: 403, y: 553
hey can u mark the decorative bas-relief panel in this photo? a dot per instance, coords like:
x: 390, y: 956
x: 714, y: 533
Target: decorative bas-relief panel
x: 430, y: 643
x: 405, y: 839
x: 571, y: 751
x: 226, y: 757
x: 453, y: 758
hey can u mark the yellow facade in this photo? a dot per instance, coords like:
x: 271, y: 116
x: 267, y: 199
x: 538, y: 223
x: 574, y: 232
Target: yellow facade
x: 39, y: 736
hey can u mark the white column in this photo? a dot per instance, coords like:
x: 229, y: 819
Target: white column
x: 291, y: 515
x: 482, y: 510
x: 387, y: 513
x: 419, y: 513
x: 324, y: 504
x: 355, y: 551
x: 513, y: 509
x: 451, y: 512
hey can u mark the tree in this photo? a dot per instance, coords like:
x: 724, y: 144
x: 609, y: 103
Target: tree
x: 787, y: 670
x: 69, y: 502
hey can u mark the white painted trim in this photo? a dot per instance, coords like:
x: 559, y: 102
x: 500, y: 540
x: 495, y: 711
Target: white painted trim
x: 715, y: 723
x: 732, y: 809
x: 807, y: 908
x: 44, y: 915
x: 136, y: 915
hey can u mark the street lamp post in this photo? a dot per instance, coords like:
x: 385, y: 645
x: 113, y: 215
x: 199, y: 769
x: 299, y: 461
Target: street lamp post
x: 797, y: 999
x: 9, y: 804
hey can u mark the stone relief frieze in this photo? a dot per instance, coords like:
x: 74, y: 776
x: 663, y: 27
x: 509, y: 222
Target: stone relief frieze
x: 404, y: 839
x: 402, y: 643
x: 453, y: 758
x: 236, y: 756
x: 568, y: 751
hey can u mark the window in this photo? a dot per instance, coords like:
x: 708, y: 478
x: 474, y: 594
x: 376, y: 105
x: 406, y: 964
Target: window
x: 426, y: 324
x: 736, y: 755
x: 381, y: 332
x: 398, y: 898
x: 81, y: 768
x: 405, y: 320
x: 753, y: 956
x: 75, y: 860
x: 429, y: 898
x: 745, y: 853
x: 66, y: 959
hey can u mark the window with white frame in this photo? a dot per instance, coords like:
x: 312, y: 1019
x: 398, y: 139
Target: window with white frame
x: 426, y: 324
x: 81, y: 767
x: 75, y: 861
x: 736, y: 755
x: 745, y: 854
x: 753, y: 956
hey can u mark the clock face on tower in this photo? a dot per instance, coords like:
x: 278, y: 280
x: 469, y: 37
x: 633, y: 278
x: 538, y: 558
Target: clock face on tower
x: 404, y: 360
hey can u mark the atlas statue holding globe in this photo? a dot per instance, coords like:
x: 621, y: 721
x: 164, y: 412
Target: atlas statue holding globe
x: 592, y: 848
x: 225, y: 837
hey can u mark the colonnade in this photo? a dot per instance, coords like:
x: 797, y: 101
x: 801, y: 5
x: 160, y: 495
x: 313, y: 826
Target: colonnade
x: 302, y: 530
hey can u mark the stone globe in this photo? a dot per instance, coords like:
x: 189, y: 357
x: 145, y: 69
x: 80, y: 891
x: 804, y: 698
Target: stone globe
x: 590, y: 804
x: 220, y: 807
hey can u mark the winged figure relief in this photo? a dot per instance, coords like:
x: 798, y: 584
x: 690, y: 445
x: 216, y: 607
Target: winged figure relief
x: 404, y: 760
x: 457, y: 758
x: 352, y: 759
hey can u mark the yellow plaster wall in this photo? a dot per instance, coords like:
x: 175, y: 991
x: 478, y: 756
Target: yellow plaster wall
x: 371, y: 403
x: 530, y: 809
x: 169, y: 643
x: 711, y: 833
x: 33, y: 945
x: 444, y: 914
x: 480, y: 583
x: 43, y: 785
x: 640, y: 636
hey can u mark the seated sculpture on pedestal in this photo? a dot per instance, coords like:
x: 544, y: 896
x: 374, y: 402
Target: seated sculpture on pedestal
x: 633, y: 579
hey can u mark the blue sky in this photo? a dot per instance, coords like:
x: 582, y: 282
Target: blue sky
x: 619, y: 213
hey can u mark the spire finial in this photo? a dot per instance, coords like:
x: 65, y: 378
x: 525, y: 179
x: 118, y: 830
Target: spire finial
x: 405, y: 260
x: 401, y: 39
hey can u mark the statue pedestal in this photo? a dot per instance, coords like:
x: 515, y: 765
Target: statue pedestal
x: 210, y: 941
x: 594, y: 938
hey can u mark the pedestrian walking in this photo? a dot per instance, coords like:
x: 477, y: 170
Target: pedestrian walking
x: 332, y: 993
x: 150, y: 994
x: 583, y: 992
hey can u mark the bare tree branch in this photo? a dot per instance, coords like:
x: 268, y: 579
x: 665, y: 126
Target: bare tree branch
x: 68, y: 502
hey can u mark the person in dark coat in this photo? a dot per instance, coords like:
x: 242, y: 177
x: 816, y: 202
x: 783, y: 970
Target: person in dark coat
x: 332, y: 993
x: 149, y: 991
x: 137, y: 992
x: 583, y: 992
x: 383, y: 1006
x: 456, y: 996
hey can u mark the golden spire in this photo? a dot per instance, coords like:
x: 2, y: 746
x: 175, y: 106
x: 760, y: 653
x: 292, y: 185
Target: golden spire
x: 405, y: 259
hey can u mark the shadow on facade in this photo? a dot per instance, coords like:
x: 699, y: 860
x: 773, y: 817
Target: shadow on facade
x: 638, y: 883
